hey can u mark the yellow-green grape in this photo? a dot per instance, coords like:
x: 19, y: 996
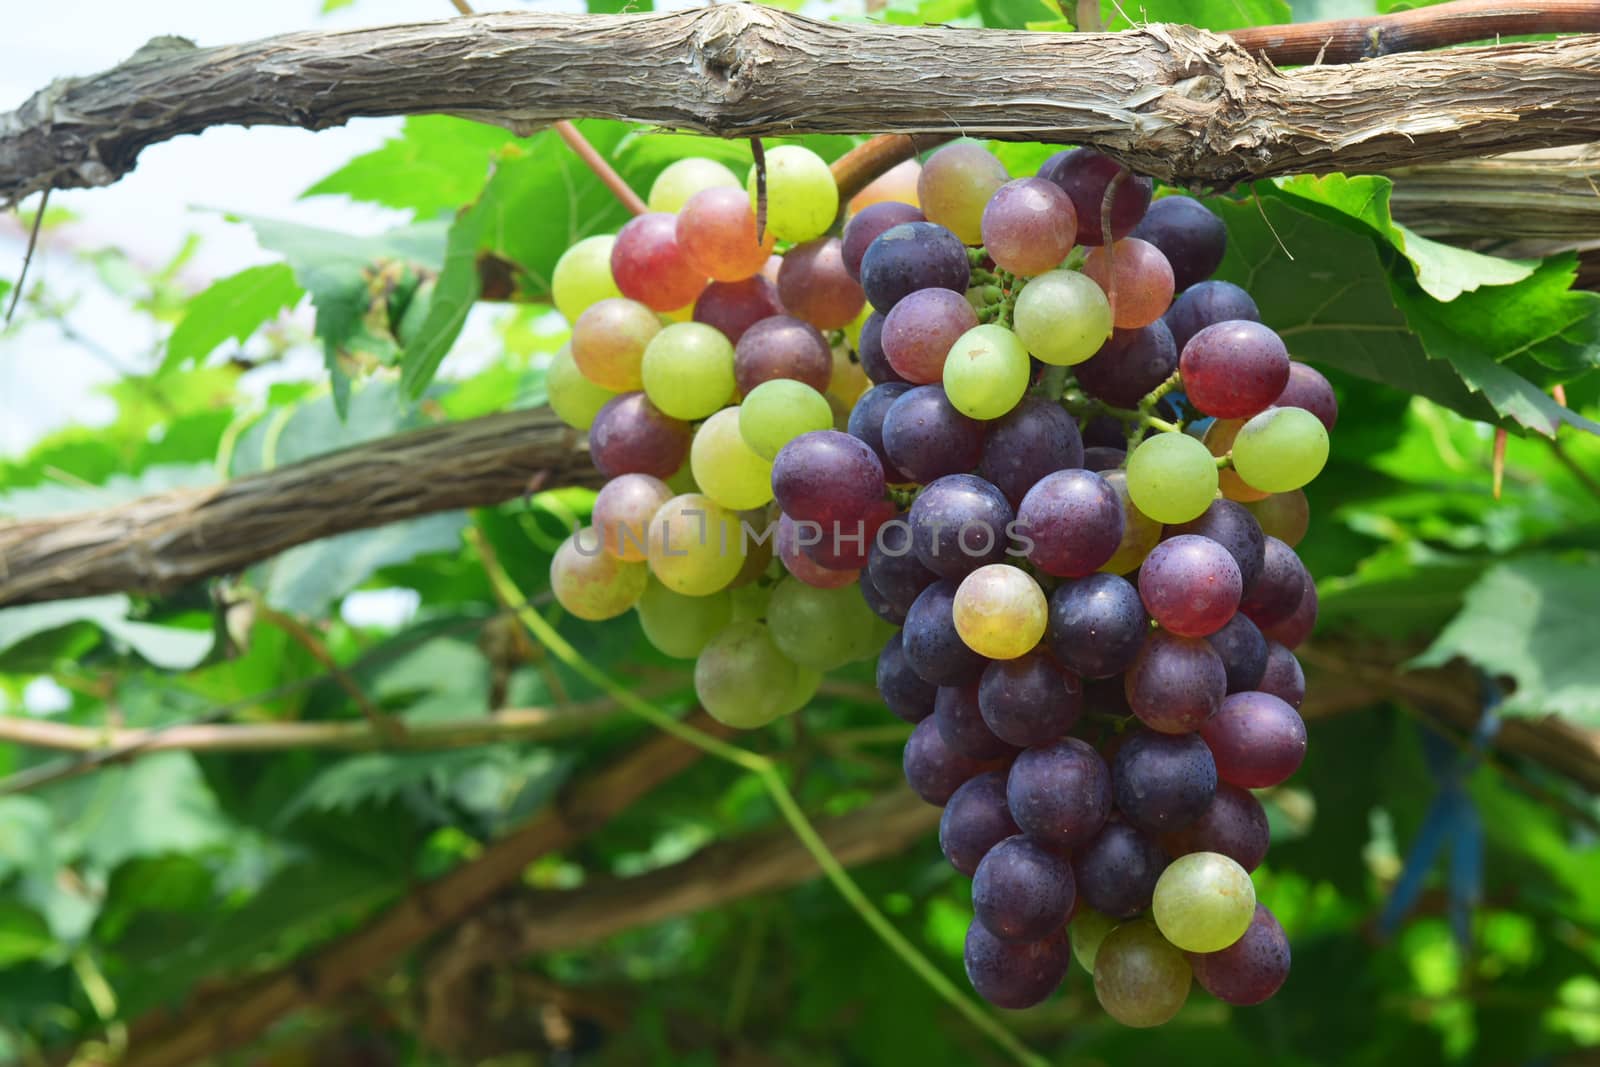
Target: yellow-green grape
x: 848, y: 380
x: 696, y: 545
x: 750, y: 601
x: 1062, y: 317
x: 986, y: 372
x: 1140, y: 533
x: 1172, y: 477
x: 582, y: 276
x: 1000, y: 611
x: 575, y: 399
x: 802, y: 198
x: 1218, y: 438
x: 805, y: 686
x: 688, y: 370
x: 820, y: 628
x: 591, y: 583
x: 1280, y: 449
x: 777, y: 411
x: 1204, y: 901
x: 728, y: 470
x: 955, y: 184
x: 679, y: 626
x: 1088, y: 929
x: 1139, y: 978
x: 683, y: 178
x: 742, y: 679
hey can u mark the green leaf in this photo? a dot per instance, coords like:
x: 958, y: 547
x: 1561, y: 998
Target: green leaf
x: 24, y: 934
x: 330, y: 6
x: 1207, y: 14
x: 162, y: 646
x: 234, y: 307
x: 612, y: 7
x: 1443, y: 272
x: 436, y: 164
x: 156, y: 805
x: 308, y: 579
x: 1532, y: 619
x: 1015, y: 14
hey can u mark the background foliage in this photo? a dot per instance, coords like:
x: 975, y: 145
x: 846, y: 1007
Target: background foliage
x: 129, y: 888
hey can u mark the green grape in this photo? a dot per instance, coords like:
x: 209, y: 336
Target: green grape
x: 582, y: 276
x: 805, y: 686
x: 777, y: 411
x: 802, y: 198
x: 986, y: 371
x: 696, y: 545
x: 591, y: 583
x: 1139, y: 978
x: 728, y: 470
x: 750, y: 601
x: 1280, y: 449
x: 1172, y: 477
x: 820, y: 628
x: 742, y: 679
x: 683, y: 178
x: 575, y: 399
x: 1000, y: 611
x: 1140, y: 533
x: 1088, y: 929
x: 1204, y: 901
x: 1062, y: 317
x: 688, y: 370
x: 679, y: 626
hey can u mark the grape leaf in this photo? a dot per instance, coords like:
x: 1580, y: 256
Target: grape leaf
x: 163, y: 646
x: 233, y: 307
x: 23, y: 934
x: 1531, y: 619
x: 159, y: 804
x: 433, y: 166
x: 1206, y: 14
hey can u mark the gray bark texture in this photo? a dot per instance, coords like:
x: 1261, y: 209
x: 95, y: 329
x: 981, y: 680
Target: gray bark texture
x: 1184, y: 105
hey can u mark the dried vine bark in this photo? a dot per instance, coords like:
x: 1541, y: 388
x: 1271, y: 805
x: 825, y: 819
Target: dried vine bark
x: 1184, y: 105
x: 160, y: 542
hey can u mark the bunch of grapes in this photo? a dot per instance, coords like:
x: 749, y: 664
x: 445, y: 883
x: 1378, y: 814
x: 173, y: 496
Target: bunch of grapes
x: 1011, y: 440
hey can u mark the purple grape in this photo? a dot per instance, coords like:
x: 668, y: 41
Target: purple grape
x: 1015, y: 974
x: 959, y: 523
x: 918, y: 333
x: 1176, y: 684
x: 1308, y: 389
x: 1192, y: 238
x: 975, y: 820
x: 1206, y: 303
x: 1190, y: 585
x: 932, y: 770
x: 814, y: 285
x: 1023, y: 891
x: 1130, y: 364
x: 1292, y: 632
x: 1251, y: 969
x: 630, y: 435
x: 912, y: 256
x: 734, y: 307
x: 933, y: 648
x: 960, y: 723
x: 782, y: 347
x: 1116, y: 871
x: 1283, y: 677
x: 1060, y: 794
x: 1099, y: 458
x: 1097, y: 625
x: 870, y: 351
x: 1084, y: 175
x: 1030, y: 700
x: 866, y: 419
x: 1257, y: 740
x: 828, y: 478
x: 1163, y: 782
x: 1231, y: 525
x: 1277, y: 592
x: 1243, y: 652
x: 1029, y: 225
x: 865, y: 226
x: 1033, y: 439
x: 894, y: 568
x: 877, y: 602
x: 844, y: 545
x: 903, y: 692
x: 1234, y: 369
x: 1073, y: 520
x: 927, y: 438
x: 1234, y: 825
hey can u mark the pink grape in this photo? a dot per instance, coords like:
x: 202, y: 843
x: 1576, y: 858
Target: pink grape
x: 651, y: 267
x: 1233, y: 370
x: 717, y: 231
x: 918, y: 332
x: 1029, y: 226
x: 814, y: 285
x: 1142, y: 278
x: 734, y: 307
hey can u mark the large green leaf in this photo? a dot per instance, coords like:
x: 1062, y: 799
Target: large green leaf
x: 156, y: 805
x: 309, y: 579
x: 436, y: 164
x: 171, y: 647
x: 232, y: 308
x: 1532, y: 619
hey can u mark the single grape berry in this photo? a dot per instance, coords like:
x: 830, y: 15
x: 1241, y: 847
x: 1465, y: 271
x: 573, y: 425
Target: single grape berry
x: 1232, y: 370
x: 975, y: 820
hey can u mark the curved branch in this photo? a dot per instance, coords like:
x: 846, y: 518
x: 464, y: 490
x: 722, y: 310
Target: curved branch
x: 160, y: 542
x: 1181, y: 104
